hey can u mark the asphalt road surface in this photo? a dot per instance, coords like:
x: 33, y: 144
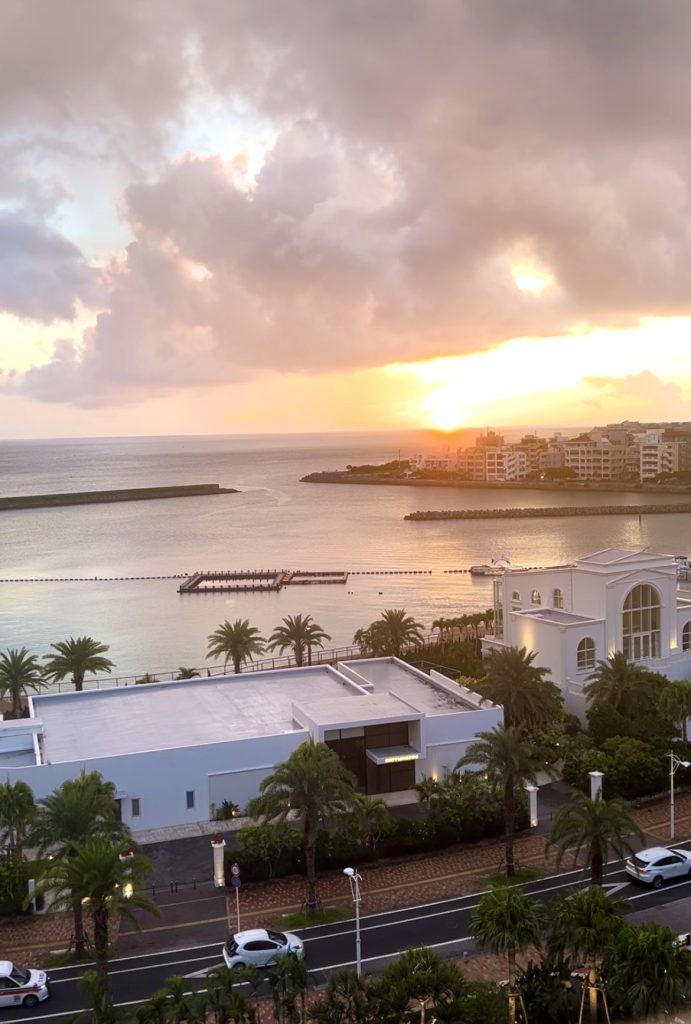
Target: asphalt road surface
x: 442, y: 926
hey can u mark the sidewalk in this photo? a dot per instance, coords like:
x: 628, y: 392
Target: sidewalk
x: 195, y: 915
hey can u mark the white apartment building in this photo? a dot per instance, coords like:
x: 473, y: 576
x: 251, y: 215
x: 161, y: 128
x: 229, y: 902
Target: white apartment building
x: 655, y: 456
x: 576, y: 615
x: 505, y: 463
x: 594, y: 459
x: 439, y: 460
x: 174, y: 749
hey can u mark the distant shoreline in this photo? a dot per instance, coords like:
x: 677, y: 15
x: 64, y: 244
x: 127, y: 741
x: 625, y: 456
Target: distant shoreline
x: 26, y: 501
x: 577, y: 486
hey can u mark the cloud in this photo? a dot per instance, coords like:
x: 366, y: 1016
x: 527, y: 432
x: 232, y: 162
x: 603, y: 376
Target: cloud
x: 644, y: 391
x: 417, y: 148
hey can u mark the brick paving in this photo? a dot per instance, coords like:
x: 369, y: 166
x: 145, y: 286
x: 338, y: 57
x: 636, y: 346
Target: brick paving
x: 189, y: 915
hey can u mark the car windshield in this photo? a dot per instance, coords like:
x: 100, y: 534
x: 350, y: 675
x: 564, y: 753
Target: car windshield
x: 640, y: 863
x: 231, y: 945
x: 20, y: 974
x: 278, y: 937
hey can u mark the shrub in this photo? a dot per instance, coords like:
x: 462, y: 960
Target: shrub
x: 14, y: 877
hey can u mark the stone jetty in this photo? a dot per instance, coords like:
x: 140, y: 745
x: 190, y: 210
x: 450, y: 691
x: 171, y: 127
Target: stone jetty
x: 23, y: 501
x: 547, y: 513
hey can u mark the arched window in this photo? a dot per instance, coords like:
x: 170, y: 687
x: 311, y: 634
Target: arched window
x: 585, y: 654
x: 641, y: 623
x: 535, y: 597
x: 557, y: 598
x: 515, y: 596
x: 686, y: 637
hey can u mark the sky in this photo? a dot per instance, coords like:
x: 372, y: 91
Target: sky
x: 253, y: 216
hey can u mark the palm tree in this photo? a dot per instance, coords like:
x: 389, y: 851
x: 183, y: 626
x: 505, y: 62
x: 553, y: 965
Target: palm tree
x: 399, y: 630
x: 416, y: 981
x: 314, y: 784
x: 616, y: 681
x: 19, y: 672
x: 513, y: 681
x: 593, y: 826
x: 17, y: 811
x: 236, y: 641
x: 300, y: 634
x: 586, y: 922
x: 98, y: 874
x: 74, y: 812
x: 647, y: 971
x: 344, y: 1000
x: 77, y: 658
x: 676, y: 702
x: 507, y: 921
x: 510, y: 761
x: 186, y: 673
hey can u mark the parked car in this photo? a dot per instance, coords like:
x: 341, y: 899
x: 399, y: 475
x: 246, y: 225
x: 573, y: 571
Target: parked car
x: 657, y: 864
x: 258, y: 947
x: 21, y: 986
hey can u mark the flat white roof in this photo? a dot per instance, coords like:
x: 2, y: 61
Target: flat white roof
x: 186, y: 713
x: 388, y: 675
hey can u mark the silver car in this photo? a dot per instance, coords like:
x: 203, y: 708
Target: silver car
x: 658, y: 864
x: 259, y: 947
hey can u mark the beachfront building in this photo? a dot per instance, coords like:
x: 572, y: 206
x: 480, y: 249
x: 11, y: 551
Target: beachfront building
x: 576, y: 615
x: 176, y: 749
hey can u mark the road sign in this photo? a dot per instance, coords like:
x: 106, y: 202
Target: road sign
x: 235, y: 871
x: 235, y: 881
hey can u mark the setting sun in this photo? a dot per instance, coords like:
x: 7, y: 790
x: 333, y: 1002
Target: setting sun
x: 444, y: 407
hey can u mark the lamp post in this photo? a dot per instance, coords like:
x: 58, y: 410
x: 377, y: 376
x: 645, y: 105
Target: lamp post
x: 674, y: 764
x: 355, y: 879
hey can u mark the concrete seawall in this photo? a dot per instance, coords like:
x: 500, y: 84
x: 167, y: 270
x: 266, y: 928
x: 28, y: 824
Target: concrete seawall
x: 24, y: 501
x: 547, y: 513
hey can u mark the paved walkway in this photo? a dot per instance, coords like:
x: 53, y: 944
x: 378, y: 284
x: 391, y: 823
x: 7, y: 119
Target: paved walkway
x: 198, y: 913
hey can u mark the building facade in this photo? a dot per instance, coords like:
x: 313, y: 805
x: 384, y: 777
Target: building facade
x: 176, y: 749
x: 576, y: 615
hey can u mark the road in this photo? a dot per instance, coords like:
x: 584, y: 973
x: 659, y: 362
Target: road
x: 442, y: 926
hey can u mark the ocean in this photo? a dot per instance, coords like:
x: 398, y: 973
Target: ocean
x: 275, y: 522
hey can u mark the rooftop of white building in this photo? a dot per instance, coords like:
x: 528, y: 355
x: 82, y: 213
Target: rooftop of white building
x: 158, y: 716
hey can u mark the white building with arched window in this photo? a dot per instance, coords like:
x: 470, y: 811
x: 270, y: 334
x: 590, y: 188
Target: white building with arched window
x: 609, y: 601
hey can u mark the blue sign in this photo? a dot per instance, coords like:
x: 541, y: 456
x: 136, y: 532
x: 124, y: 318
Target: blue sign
x: 235, y: 881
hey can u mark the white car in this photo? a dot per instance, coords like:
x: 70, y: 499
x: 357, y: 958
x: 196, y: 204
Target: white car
x: 657, y: 864
x: 258, y: 947
x: 20, y: 986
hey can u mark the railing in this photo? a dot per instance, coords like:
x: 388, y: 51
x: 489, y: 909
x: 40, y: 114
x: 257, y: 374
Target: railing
x: 319, y: 657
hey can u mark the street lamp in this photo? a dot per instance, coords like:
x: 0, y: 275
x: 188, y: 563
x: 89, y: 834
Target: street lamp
x: 354, y: 878
x: 674, y: 764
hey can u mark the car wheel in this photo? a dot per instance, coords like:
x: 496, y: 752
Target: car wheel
x: 657, y: 882
x: 30, y: 1001
x: 238, y: 964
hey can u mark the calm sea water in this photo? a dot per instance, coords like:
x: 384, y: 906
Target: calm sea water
x: 275, y: 522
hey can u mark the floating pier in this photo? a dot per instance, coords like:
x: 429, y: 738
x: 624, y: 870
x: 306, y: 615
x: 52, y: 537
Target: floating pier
x: 247, y: 580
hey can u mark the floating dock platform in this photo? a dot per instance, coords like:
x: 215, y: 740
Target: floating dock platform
x: 248, y: 580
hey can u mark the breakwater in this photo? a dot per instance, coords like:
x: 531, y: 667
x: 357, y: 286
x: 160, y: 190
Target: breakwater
x: 547, y: 513
x: 24, y: 501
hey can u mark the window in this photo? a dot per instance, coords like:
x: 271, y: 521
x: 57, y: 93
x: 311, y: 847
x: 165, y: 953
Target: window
x: 535, y: 597
x: 585, y: 654
x: 686, y: 637
x: 557, y: 599
x: 515, y: 596
x: 641, y: 623
x: 190, y: 799
x: 136, y: 807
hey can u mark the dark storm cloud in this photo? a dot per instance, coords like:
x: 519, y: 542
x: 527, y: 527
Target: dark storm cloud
x: 421, y: 147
